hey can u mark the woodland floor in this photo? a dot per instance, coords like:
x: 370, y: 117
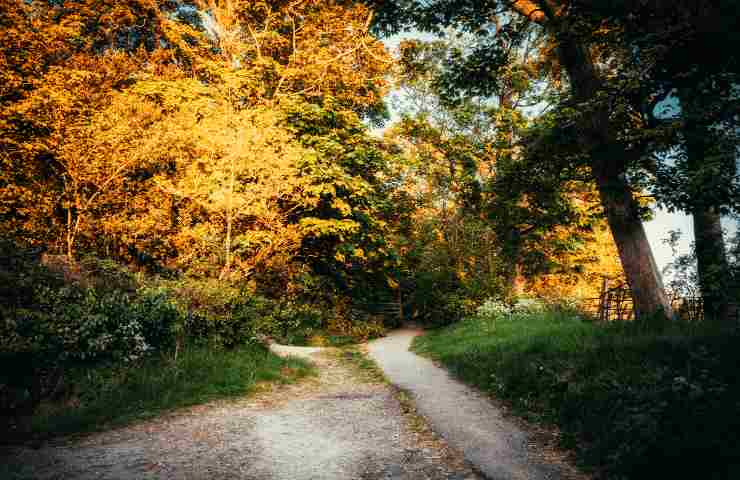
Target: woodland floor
x: 347, y: 423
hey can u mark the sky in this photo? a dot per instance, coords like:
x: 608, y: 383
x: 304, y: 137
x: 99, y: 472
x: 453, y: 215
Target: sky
x: 658, y: 229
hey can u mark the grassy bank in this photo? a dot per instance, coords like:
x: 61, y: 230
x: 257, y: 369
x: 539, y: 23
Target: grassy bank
x: 632, y: 404
x: 103, y: 397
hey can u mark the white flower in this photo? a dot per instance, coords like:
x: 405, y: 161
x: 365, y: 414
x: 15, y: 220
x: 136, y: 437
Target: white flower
x: 493, y: 308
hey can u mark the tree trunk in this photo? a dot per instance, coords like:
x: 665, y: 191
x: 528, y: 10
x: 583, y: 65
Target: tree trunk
x: 608, y: 160
x: 643, y: 277
x: 227, y: 263
x: 711, y: 263
x: 70, y: 240
x: 711, y: 256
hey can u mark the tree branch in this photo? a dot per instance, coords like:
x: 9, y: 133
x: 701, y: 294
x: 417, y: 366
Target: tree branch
x: 531, y: 10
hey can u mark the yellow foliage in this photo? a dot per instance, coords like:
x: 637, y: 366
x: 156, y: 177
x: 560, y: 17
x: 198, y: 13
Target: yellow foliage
x: 341, y: 325
x: 597, y: 259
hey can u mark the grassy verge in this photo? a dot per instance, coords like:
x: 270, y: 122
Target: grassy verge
x: 317, y: 338
x: 105, y: 397
x: 363, y: 367
x: 632, y: 404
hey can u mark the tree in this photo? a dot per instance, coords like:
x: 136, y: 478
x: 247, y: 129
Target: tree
x: 496, y: 206
x: 606, y: 155
x: 312, y: 49
x: 672, y: 54
x: 61, y: 62
x: 236, y: 165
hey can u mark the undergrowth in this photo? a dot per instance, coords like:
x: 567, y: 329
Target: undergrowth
x: 634, y: 403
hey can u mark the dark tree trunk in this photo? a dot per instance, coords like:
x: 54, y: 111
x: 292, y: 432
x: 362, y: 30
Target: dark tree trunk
x: 711, y: 255
x: 623, y: 215
x: 712, y: 264
x: 608, y: 161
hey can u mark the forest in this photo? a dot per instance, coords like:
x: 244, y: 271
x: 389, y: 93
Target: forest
x: 181, y: 179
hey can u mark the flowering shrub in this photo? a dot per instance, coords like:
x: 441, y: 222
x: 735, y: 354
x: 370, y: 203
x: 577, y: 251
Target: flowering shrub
x: 75, y: 324
x: 493, y: 308
x: 496, y: 308
x: 58, y: 326
x: 529, y: 305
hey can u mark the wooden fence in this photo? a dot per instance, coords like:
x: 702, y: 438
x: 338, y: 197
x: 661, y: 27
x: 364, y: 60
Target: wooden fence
x: 614, y: 303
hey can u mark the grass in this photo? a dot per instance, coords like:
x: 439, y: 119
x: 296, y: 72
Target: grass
x: 323, y: 338
x: 316, y: 337
x: 363, y: 367
x: 633, y: 403
x: 104, y: 397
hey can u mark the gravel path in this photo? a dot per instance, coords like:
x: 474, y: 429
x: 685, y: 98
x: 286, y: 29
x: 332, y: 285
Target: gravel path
x: 338, y: 426
x: 497, y: 445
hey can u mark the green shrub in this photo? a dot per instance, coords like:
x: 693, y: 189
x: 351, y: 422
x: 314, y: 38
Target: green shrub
x: 72, y: 325
x: 439, y: 299
x: 21, y: 273
x: 104, y: 274
x: 235, y: 326
x: 217, y: 313
x: 86, y: 325
x: 356, y: 324
x: 224, y: 316
x: 158, y: 316
x: 289, y: 322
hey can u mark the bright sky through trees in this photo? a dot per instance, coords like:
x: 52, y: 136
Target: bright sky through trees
x: 658, y: 229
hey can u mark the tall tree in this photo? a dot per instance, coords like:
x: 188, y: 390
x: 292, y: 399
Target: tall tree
x: 608, y: 158
x: 683, y: 61
x: 495, y: 207
x: 671, y: 55
x: 63, y: 62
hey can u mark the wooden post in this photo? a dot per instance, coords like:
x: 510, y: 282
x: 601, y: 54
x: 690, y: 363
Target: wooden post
x: 399, y: 298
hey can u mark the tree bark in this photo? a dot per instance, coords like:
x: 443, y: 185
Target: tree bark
x: 712, y: 264
x: 608, y: 161
x: 622, y: 211
x: 711, y: 255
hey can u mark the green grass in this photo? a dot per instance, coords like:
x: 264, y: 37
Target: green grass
x: 105, y: 397
x: 316, y: 337
x: 363, y: 367
x: 632, y: 404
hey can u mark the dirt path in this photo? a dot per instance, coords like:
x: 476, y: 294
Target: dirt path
x: 342, y: 425
x: 502, y: 448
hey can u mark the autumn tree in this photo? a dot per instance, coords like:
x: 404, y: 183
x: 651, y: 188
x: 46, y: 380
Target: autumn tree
x: 608, y: 158
x: 61, y: 62
x: 64, y: 62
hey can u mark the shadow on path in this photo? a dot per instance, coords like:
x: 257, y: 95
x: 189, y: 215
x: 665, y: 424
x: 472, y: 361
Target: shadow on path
x: 469, y: 422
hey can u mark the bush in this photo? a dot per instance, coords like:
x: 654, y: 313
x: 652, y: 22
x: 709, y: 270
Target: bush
x: 85, y: 325
x: 354, y: 323
x: 218, y: 314
x: 72, y: 325
x: 492, y: 309
x: 158, y: 316
x: 106, y: 274
x: 21, y: 273
x: 92, y: 326
x: 438, y: 299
